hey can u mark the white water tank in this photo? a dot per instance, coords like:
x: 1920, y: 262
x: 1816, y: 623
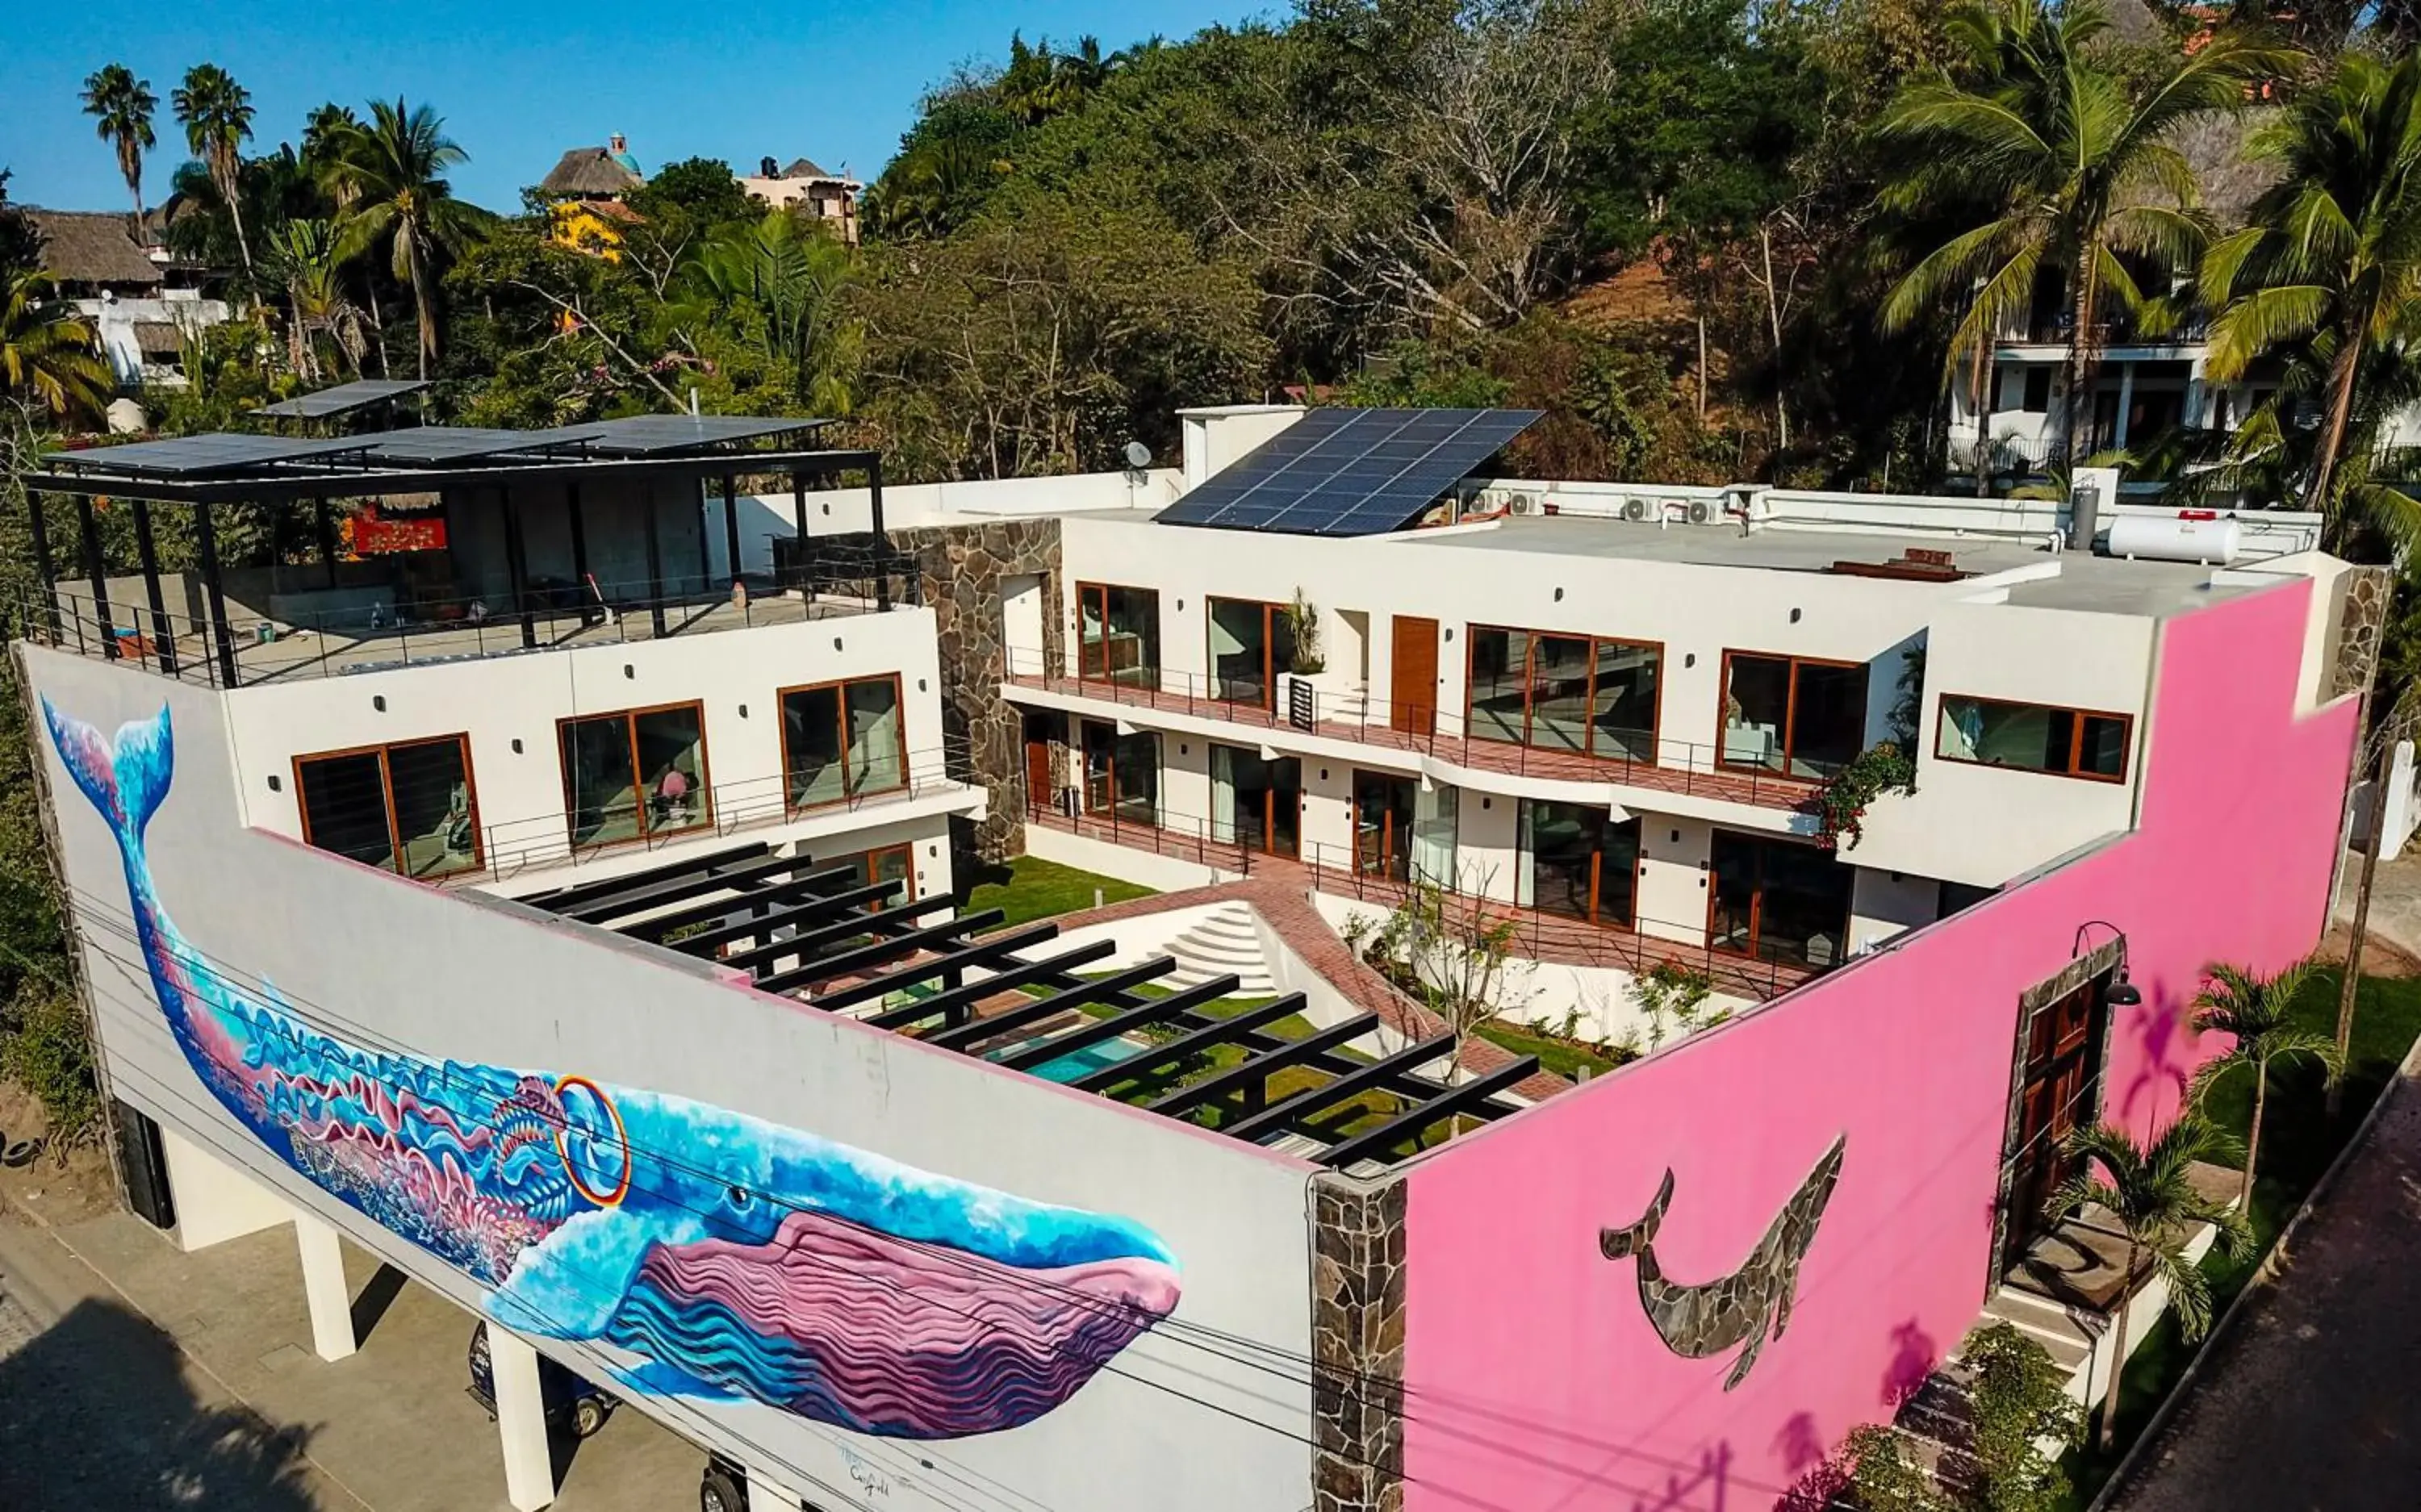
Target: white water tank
x: 2211, y: 541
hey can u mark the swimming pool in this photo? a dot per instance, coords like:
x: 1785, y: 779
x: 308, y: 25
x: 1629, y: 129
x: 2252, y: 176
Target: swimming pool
x: 1082, y: 1063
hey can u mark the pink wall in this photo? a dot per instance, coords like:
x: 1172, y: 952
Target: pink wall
x: 1534, y: 1379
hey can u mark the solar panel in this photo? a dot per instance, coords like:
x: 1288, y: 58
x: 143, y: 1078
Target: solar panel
x: 217, y: 451
x: 342, y: 399
x: 647, y: 435
x: 1343, y: 472
x: 418, y: 446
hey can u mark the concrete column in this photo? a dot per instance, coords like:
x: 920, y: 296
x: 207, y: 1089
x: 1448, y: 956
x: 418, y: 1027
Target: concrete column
x: 768, y: 1493
x: 2126, y: 402
x: 521, y: 1421
x: 323, y: 1287
x: 215, y: 1201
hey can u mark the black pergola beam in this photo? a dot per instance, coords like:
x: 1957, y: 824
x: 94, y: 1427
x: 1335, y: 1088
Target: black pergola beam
x: 1462, y: 1097
x: 978, y: 1030
x: 1085, y: 1035
x: 1218, y: 1032
x: 680, y: 887
x: 964, y: 953
x: 1329, y: 1094
x: 952, y: 933
x: 1259, y: 1069
x: 274, y: 484
x: 556, y: 900
x: 752, y: 896
x: 1008, y: 979
x: 864, y: 916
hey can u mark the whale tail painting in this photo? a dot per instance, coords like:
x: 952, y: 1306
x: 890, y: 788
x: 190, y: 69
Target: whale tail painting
x: 723, y: 1255
x: 1748, y: 1306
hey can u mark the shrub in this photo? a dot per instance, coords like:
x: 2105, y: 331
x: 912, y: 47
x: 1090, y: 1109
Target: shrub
x: 1841, y: 801
x: 46, y: 1051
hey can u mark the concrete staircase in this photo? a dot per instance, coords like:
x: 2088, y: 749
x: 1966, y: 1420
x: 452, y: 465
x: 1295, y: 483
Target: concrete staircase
x: 1225, y: 941
x: 2067, y: 1333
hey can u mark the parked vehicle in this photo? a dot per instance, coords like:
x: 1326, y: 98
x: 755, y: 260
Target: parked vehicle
x: 724, y: 1486
x: 571, y: 1397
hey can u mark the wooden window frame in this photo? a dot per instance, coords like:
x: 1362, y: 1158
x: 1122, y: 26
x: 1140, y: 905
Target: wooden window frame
x: 1529, y: 660
x: 847, y: 794
x: 386, y: 790
x: 906, y: 847
x: 1269, y: 840
x: 1270, y: 671
x: 1757, y: 898
x: 1083, y: 784
x: 1790, y: 712
x: 1597, y: 919
x: 1086, y: 588
x: 2075, y: 738
x: 630, y: 718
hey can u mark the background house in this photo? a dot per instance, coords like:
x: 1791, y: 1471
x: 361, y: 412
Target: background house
x: 833, y: 196
x: 584, y: 191
x: 143, y: 305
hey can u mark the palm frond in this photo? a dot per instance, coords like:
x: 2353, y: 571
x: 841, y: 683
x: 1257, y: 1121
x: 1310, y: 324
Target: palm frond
x: 2260, y: 322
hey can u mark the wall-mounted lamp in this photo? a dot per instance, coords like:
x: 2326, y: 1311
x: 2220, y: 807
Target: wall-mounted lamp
x: 274, y: 785
x: 2122, y: 993
x: 744, y: 710
x: 378, y: 701
x: 517, y: 745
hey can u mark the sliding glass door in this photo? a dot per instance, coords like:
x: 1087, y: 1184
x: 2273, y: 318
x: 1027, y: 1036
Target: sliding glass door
x: 1577, y: 862
x: 1581, y: 693
x: 407, y: 807
x: 1778, y: 901
x: 1118, y: 634
x: 1257, y: 804
x: 634, y: 774
x: 1121, y: 774
x: 1791, y: 715
x: 1251, y: 643
x: 1383, y: 825
x: 842, y: 740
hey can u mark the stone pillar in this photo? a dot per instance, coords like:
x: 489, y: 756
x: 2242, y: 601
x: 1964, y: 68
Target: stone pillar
x: 323, y: 1287
x: 521, y: 1420
x: 1357, y: 1344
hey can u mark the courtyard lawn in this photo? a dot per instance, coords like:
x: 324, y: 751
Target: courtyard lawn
x: 1567, y: 1058
x: 1030, y: 888
x: 2298, y: 1141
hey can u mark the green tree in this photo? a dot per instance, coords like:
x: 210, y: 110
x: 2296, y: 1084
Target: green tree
x: 394, y: 165
x: 2260, y: 1013
x: 121, y: 106
x: 2042, y: 144
x: 788, y: 280
x: 2329, y: 264
x: 703, y: 190
x: 218, y: 116
x: 304, y: 257
x: 48, y: 368
x: 2149, y: 1192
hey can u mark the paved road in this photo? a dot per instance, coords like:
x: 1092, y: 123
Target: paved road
x: 2308, y: 1404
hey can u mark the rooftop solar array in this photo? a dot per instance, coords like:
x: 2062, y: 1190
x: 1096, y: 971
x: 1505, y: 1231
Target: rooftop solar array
x: 343, y: 398
x: 420, y: 446
x: 649, y: 435
x: 218, y: 451
x: 1344, y: 472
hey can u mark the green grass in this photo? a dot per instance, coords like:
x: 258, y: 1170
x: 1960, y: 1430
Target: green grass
x: 1564, y: 1057
x: 1030, y: 888
x: 2298, y: 1141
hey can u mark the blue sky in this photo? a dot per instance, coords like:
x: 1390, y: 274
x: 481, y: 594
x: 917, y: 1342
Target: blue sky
x: 518, y: 81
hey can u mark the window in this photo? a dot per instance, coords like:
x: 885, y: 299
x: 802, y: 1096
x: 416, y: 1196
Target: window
x: 1791, y: 715
x: 1777, y: 902
x: 1251, y: 643
x: 2037, y: 396
x: 1383, y: 809
x: 842, y: 740
x: 1118, y: 634
x: 2067, y: 742
x: 407, y: 807
x: 1256, y: 802
x: 884, y: 864
x: 635, y: 775
x: 1577, y: 863
x: 1121, y: 774
x: 1564, y: 692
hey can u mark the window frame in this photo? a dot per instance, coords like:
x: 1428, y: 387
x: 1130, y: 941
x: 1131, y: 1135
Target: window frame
x: 630, y: 718
x: 869, y: 857
x: 1790, y: 712
x: 1087, y: 587
x: 1471, y: 631
x: 841, y: 707
x: 1271, y: 670
x: 1081, y: 750
x: 2075, y: 738
x: 386, y: 791
x: 1757, y: 899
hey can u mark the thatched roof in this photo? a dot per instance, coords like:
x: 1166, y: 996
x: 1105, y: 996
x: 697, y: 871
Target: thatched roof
x: 2230, y: 177
x: 159, y: 338
x: 805, y: 168
x: 91, y: 247
x: 589, y: 173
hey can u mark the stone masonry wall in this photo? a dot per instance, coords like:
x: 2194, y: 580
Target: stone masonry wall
x: 1357, y: 1344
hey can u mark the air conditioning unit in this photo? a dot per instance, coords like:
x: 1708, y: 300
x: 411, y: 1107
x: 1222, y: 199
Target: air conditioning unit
x: 1639, y: 510
x: 1523, y: 503
x: 1706, y: 512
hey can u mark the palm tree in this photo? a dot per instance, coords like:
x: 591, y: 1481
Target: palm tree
x: 393, y: 167
x: 303, y: 257
x: 2259, y: 1012
x: 217, y: 115
x: 121, y: 106
x: 2330, y: 263
x: 2061, y: 166
x: 47, y: 361
x: 2149, y: 1192
x: 796, y: 273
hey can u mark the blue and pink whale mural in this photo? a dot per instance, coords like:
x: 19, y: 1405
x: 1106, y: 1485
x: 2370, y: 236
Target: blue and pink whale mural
x: 730, y: 1257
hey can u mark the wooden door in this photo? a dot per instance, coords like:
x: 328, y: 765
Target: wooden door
x: 1412, y: 704
x: 2056, y: 1096
x: 1038, y: 792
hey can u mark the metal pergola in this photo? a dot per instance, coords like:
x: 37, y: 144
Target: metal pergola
x: 210, y: 473
x: 843, y: 944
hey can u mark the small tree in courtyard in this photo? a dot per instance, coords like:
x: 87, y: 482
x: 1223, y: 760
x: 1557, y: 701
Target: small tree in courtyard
x: 1454, y: 952
x: 2259, y: 1012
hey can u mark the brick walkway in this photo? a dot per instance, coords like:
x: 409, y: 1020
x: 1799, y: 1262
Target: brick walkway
x: 1698, y: 778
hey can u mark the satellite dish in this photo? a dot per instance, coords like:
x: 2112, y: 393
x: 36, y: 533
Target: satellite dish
x: 1139, y: 455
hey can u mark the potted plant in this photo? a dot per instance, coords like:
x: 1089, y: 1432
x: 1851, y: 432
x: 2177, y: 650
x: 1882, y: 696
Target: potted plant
x: 1305, y: 661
